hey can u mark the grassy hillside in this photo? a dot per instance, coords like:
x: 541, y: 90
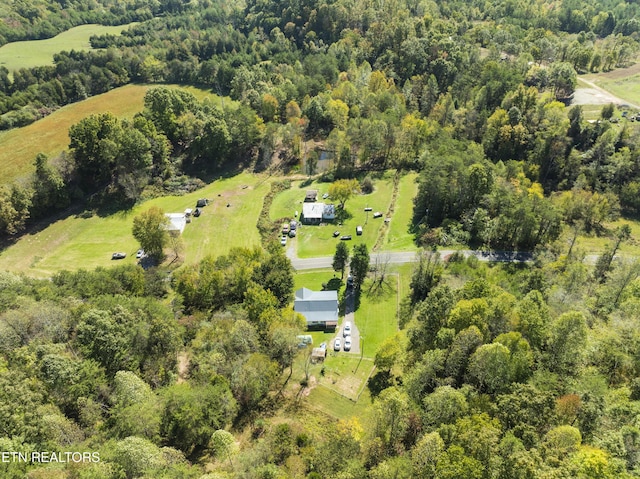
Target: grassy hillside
x: 19, y: 147
x: 77, y: 242
x: 622, y: 82
x: 35, y: 53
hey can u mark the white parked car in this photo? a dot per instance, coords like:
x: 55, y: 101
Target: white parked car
x: 337, y: 344
x: 346, y: 331
x: 140, y: 254
x: 347, y: 343
x: 283, y: 241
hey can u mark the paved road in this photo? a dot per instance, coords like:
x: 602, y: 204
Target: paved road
x: 408, y: 257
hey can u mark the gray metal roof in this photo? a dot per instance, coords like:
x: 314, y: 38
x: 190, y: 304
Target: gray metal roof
x: 317, y: 305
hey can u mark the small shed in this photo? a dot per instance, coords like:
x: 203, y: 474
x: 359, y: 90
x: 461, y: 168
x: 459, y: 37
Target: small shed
x: 318, y: 355
x: 311, y: 196
x: 177, y: 223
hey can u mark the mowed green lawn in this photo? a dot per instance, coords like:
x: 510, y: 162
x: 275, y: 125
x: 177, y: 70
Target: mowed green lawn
x: 399, y: 238
x: 74, y: 242
x: 35, y: 53
x: 50, y: 135
x: 318, y: 240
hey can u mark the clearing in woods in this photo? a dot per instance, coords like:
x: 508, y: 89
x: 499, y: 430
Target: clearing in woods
x: 34, y: 53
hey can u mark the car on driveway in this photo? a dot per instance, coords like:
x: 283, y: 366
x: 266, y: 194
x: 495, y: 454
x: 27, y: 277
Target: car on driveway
x: 337, y: 344
x: 283, y: 241
x: 346, y: 331
x: 118, y: 255
x: 347, y: 343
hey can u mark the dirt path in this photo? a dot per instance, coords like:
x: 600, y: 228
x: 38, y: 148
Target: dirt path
x: 594, y: 95
x: 183, y: 366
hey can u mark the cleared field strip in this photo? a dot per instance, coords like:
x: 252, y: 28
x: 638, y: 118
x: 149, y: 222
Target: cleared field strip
x: 76, y: 242
x: 35, y: 53
x: 50, y: 135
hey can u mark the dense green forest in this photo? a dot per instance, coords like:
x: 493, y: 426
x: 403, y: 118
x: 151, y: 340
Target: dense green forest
x: 498, y: 371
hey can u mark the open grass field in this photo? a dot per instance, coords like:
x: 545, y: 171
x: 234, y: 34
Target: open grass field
x: 377, y: 317
x: 621, y: 82
x: 75, y: 242
x: 318, y: 240
x: 398, y: 237
x: 35, y: 53
x: 594, y: 245
x: 19, y: 147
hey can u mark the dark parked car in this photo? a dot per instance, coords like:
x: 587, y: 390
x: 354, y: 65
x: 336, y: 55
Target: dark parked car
x: 345, y: 237
x: 197, y: 212
x: 118, y: 255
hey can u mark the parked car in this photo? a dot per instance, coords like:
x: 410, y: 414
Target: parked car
x: 346, y: 331
x: 345, y: 237
x: 293, y: 224
x: 140, y: 254
x: 337, y: 344
x: 377, y: 214
x: 202, y: 202
x: 336, y: 234
x: 283, y: 241
x: 292, y: 233
x: 349, y: 281
x: 118, y: 255
x: 368, y: 208
x: 347, y: 343
x: 325, y: 196
x: 285, y: 228
x: 358, y: 230
x: 197, y: 212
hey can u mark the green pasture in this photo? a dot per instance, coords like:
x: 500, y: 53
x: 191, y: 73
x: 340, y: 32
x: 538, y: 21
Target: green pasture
x: 593, y: 244
x: 627, y: 87
x: 398, y: 237
x: 313, y: 279
x: 318, y: 240
x: 35, y: 53
x: 377, y: 317
x: 77, y: 242
x: 334, y: 405
x: 50, y: 135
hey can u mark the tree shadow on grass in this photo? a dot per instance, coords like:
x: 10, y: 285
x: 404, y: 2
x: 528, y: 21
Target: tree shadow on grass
x: 379, y: 382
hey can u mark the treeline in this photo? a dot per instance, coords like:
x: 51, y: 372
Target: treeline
x: 113, y: 161
x: 409, y: 42
x: 91, y: 363
x: 40, y: 19
x: 512, y: 373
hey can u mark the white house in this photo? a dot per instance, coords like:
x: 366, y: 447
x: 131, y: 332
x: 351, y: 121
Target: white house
x: 314, y: 213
